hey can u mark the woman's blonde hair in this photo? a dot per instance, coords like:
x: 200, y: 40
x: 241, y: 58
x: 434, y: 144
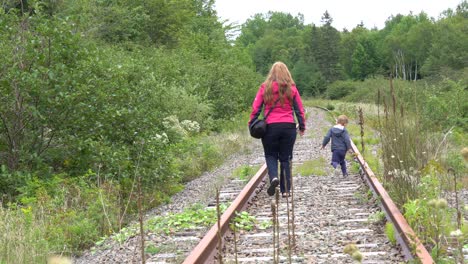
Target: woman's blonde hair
x: 278, y: 73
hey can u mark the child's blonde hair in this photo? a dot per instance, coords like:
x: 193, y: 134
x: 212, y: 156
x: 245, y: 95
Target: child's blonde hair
x: 342, y: 120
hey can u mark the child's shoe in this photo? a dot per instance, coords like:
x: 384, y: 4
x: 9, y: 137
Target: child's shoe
x: 336, y: 172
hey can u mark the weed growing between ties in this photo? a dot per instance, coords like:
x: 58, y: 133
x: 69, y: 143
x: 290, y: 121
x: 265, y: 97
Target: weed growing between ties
x: 315, y: 167
x: 390, y: 232
x: 353, y: 251
x: 195, y: 217
x: 376, y: 218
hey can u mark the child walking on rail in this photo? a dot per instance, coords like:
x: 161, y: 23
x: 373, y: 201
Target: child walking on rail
x: 340, y: 144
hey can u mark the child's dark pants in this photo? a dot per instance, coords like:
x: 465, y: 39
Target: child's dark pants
x: 338, y: 157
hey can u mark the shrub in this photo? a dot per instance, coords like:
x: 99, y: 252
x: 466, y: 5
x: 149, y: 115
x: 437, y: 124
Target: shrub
x: 340, y: 89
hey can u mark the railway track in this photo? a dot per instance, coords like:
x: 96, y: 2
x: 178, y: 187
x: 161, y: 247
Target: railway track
x: 330, y: 213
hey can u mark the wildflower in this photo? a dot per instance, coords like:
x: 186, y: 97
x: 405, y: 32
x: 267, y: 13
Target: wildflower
x: 401, y: 161
x: 161, y: 138
x: 393, y: 156
x: 394, y: 139
x: 441, y: 203
x: 456, y: 233
x: 191, y: 126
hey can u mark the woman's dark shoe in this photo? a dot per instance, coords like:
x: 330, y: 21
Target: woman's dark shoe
x: 273, y: 184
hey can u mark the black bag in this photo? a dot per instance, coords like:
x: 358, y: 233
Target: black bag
x: 258, y: 127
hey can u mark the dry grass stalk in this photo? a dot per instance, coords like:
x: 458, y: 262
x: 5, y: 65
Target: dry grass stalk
x: 289, y: 218
x: 140, y: 219
x: 361, y: 124
x: 292, y: 206
x: 220, y: 242
x: 277, y: 249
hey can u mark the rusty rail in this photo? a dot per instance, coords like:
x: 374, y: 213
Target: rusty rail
x: 205, y: 251
x: 412, y: 247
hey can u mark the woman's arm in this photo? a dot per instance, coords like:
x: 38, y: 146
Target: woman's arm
x: 299, y: 110
x: 257, y: 104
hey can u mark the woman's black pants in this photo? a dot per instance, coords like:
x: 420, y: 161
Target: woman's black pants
x: 278, y: 144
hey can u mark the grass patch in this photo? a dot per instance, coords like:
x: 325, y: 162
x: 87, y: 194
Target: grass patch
x: 22, y: 238
x: 245, y: 172
x: 152, y: 249
x: 354, y: 167
x: 390, y: 232
x: 193, y: 217
x: 376, y: 217
x: 243, y: 221
x: 363, y: 197
x: 311, y: 167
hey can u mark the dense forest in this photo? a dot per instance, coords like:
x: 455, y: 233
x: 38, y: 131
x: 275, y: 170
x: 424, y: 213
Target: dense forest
x: 94, y: 93
x: 409, y: 47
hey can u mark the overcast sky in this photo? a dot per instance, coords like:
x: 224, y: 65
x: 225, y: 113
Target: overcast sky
x: 345, y: 13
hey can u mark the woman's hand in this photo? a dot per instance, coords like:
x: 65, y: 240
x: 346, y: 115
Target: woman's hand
x: 301, y: 132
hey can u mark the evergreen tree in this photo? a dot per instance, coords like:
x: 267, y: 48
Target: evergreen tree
x: 328, y: 50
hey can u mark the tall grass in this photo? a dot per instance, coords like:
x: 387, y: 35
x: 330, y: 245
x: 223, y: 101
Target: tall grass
x: 406, y: 146
x: 22, y: 237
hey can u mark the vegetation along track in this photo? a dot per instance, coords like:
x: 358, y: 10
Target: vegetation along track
x: 330, y: 213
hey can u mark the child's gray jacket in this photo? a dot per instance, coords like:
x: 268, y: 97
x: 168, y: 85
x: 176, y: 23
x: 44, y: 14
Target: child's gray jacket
x: 339, y: 137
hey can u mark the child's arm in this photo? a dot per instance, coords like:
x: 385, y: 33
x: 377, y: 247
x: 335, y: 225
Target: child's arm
x: 347, y: 141
x: 326, y: 139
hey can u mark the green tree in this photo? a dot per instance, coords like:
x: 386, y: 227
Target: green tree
x: 448, y: 49
x: 275, y: 36
x: 327, y: 54
x: 39, y: 85
x: 362, y: 63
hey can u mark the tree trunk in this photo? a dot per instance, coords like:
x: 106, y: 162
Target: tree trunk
x: 410, y: 74
x: 416, y: 71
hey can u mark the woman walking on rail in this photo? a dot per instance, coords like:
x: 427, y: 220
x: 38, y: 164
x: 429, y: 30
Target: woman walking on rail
x: 279, y: 94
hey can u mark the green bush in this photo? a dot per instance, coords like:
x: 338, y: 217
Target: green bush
x: 340, y: 89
